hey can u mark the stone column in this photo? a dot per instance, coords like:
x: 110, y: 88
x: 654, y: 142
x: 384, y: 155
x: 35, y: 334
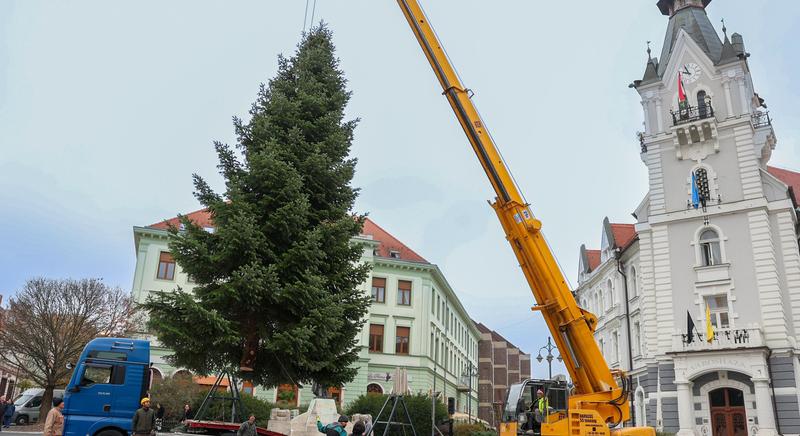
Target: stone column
x: 685, y: 409
x: 742, y: 96
x: 659, y: 115
x: 646, y: 107
x: 764, y: 409
x: 726, y: 83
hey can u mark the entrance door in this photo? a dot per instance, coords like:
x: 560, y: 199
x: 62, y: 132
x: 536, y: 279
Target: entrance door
x: 728, y: 416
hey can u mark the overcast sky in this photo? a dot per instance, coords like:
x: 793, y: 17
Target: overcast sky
x: 107, y: 108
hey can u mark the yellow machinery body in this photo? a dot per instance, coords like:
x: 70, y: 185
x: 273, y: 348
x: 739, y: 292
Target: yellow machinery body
x: 597, y: 399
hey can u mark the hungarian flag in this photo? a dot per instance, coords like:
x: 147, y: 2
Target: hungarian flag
x: 681, y: 93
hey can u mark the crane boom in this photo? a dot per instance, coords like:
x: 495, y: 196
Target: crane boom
x: 596, y: 388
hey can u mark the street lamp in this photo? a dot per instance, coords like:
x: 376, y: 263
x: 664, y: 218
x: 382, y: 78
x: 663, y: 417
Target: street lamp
x: 469, y: 372
x: 549, y: 347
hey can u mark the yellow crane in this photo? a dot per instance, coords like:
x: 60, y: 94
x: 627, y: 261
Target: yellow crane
x: 599, y: 399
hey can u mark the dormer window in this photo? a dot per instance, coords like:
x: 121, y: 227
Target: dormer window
x: 394, y: 254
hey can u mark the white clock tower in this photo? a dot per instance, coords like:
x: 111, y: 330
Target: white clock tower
x: 717, y: 239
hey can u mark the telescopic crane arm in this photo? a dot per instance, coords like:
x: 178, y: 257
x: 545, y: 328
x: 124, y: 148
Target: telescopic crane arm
x: 572, y: 328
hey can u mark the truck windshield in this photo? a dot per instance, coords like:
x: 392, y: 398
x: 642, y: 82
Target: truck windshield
x: 22, y: 399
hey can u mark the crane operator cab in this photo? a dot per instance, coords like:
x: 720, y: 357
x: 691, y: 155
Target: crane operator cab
x: 533, y: 402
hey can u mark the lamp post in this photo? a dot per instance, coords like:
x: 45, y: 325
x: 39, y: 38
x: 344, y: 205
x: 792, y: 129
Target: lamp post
x: 549, y: 347
x: 469, y: 372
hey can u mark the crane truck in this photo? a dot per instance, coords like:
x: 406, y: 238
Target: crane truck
x: 599, y: 400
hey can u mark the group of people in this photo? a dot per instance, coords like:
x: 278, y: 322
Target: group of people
x: 7, y: 409
x: 361, y: 426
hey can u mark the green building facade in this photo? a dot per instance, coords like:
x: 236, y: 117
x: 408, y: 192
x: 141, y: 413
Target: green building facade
x: 416, y: 321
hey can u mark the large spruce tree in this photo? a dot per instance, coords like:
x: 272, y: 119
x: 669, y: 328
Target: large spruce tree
x: 277, y: 282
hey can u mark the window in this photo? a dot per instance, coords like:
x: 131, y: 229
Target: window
x: 615, y: 346
x: 710, y: 253
x: 404, y: 292
x: 718, y: 306
x: 378, y: 290
x: 401, y: 341
x: 700, y: 179
x: 394, y: 254
x: 103, y: 374
x: 600, y: 344
x: 702, y: 105
x: 166, y: 266
x: 611, y: 296
x: 433, y: 301
x: 376, y: 338
x: 633, y: 283
x: 602, y: 305
x: 637, y: 338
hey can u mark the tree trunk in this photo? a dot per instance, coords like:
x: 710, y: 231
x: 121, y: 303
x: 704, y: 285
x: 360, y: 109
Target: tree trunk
x: 249, y: 353
x: 47, y: 402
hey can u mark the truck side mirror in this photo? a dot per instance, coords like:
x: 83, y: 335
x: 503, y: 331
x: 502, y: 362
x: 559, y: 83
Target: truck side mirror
x: 74, y: 389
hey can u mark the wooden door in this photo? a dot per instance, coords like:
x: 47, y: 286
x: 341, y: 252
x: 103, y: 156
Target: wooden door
x: 728, y: 415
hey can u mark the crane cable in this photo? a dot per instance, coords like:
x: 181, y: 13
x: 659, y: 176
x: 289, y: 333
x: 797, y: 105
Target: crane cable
x: 305, y: 14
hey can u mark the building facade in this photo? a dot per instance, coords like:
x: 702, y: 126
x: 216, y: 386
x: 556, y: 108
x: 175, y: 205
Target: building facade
x: 500, y: 365
x: 715, y: 244
x: 9, y: 375
x: 416, y: 320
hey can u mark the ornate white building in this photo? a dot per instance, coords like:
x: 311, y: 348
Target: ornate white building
x: 717, y: 232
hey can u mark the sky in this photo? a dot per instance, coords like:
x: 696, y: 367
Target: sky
x: 107, y: 108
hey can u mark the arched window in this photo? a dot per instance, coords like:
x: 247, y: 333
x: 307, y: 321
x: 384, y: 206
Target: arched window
x: 710, y: 252
x: 633, y: 290
x: 702, y: 106
x: 641, y: 417
x: 602, y: 303
x: 700, y: 191
x: 374, y: 388
x: 612, y: 297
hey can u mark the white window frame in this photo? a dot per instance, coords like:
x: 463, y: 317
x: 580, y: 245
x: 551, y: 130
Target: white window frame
x: 715, y: 313
x: 698, y: 249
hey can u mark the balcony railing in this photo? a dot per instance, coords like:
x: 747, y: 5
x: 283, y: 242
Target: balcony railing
x: 761, y: 119
x: 692, y: 113
x: 723, y: 339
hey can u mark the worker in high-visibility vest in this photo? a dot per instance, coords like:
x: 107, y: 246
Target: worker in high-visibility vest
x: 541, y: 404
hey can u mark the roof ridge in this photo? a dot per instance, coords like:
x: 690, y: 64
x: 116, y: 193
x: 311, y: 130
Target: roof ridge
x: 783, y: 169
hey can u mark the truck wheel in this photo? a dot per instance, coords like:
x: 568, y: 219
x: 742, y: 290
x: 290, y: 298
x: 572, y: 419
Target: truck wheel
x: 21, y: 420
x: 109, y: 433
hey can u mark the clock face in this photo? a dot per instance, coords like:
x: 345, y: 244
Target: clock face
x: 690, y: 72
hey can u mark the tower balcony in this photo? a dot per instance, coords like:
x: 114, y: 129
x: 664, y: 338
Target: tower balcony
x: 724, y: 339
x: 760, y: 119
x: 691, y: 114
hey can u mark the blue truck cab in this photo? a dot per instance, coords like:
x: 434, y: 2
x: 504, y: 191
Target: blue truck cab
x: 110, y: 378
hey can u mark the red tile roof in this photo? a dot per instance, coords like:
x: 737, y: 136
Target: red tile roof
x: 624, y: 234
x: 388, y: 243
x: 791, y: 178
x: 200, y: 217
x: 594, y: 259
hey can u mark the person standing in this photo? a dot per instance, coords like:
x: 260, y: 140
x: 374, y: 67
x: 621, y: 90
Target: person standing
x: 188, y: 413
x: 335, y: 428
x: 248, y: 428
x: 54, y: 424
x: 2, y: 409
x: 9, y: 413
x: 359, y: 428
x: 144, y: 420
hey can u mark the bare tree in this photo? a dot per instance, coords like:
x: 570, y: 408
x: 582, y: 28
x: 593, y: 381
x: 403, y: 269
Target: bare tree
x: 49, y: 322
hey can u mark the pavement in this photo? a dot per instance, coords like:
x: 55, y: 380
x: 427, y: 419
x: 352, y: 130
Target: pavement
x: 11, y: 432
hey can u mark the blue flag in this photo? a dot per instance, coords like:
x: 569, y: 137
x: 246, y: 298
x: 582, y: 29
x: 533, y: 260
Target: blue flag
x: 695, y: 194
